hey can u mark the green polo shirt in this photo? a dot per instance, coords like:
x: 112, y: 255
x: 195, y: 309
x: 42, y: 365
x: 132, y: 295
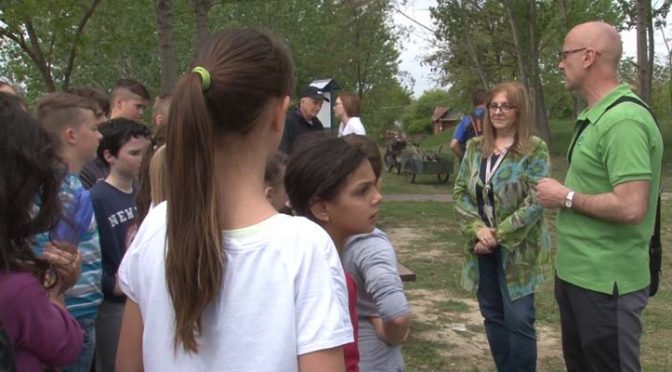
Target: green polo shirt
x: 619, y: 145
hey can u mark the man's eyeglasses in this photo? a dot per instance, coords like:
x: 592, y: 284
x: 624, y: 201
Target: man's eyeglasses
x: 562, y: 55
x: 504, y: 107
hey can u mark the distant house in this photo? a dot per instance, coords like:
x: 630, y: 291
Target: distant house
x: 443, y: 118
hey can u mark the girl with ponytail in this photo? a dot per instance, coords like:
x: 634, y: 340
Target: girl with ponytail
x: 216, y: 279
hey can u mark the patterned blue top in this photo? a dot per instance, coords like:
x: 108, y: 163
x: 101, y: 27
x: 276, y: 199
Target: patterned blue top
x: 78, y: 225
x: 525, y: 243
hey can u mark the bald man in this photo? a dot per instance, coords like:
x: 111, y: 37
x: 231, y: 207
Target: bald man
x: 607, y: 208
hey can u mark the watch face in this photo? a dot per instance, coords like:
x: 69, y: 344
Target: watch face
x: 569, y: 200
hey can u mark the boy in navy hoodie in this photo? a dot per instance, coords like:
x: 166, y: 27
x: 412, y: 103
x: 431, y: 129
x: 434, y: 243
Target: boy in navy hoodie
x: 123, y: 144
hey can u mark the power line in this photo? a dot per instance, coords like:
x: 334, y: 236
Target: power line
x: 396, y: 8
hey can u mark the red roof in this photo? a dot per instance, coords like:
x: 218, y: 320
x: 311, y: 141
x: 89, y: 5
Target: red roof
x: 439, y: 113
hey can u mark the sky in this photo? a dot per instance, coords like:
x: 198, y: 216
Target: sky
x: 419, y: 42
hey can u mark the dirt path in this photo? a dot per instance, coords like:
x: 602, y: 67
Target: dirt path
x: 450, y: 318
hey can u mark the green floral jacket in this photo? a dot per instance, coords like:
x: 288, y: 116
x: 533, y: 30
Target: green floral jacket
x: 524, y: 238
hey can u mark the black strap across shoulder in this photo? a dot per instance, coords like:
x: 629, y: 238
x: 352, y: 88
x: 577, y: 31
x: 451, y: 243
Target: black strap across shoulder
x: 655, y: 245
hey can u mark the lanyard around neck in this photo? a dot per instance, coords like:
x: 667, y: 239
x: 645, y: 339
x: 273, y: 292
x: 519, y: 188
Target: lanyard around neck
x: 491, y: 169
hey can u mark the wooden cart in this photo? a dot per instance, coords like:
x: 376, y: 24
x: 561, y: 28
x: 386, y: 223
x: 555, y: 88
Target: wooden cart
x: 426, y: 162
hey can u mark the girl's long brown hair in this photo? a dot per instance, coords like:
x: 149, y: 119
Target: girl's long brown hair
x: 247, y: 69
x: 517, y: 96
x: 32, y: 172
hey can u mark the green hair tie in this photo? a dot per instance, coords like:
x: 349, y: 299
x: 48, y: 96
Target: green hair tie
x: 205, y: 76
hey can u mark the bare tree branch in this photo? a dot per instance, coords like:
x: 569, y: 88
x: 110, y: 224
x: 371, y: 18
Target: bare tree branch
x: 73, y: 47
x: 40, y: 62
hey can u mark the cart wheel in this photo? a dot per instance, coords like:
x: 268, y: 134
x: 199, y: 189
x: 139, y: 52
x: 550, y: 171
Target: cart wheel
x: 443, y: 178
x: 410, y: 172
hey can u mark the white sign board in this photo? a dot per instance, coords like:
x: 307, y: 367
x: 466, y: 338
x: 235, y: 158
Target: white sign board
x: 325, y: 113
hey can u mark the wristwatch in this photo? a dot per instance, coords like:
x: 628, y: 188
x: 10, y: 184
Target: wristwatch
x: 569, y: 199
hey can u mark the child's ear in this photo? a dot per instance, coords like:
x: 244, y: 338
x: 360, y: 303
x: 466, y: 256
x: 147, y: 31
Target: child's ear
x: 318, y: 208
x: 69, y: 136
x: 158, y: 119
x: 267, y: 192
x: 107, y: 155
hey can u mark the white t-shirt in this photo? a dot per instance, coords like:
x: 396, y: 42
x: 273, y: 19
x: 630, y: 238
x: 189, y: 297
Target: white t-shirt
x: 354, y: 126
x: 284, y: 294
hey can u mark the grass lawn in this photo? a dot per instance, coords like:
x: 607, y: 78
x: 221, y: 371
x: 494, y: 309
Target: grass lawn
x: 447, y: 332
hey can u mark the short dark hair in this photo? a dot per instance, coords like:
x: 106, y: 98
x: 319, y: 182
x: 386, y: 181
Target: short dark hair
x: 57, y: 110
x: 368, y: 147
x: 100, y: 99
x: 129, y: 85
x: 117, y: 132
x: 479, y: 97
x: 319, y: 168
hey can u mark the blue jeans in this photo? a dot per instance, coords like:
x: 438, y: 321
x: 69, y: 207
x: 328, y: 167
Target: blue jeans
x: 509, y: 324
x: 83, y: 363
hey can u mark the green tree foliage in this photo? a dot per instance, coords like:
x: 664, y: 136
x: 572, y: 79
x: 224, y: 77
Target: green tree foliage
x: 351, y: 41
x: 418, y: 117
x: 386, y: 104
x: 477, y: 47
x: 44, y: 36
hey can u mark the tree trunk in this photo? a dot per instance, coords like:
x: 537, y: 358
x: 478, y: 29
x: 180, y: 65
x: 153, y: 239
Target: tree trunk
x: 644, y: 63
x: 576, y: 100
x: 528, y: 62
x: 201, y: 8
x: 669, y: 63
x: 165, y: 20
x: 537, y: 94
x: 652, y: 55
x: 477, y: 63
x: 520, y: 52
x: 73, y: 48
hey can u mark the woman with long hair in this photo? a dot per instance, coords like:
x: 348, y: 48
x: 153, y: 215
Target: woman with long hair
x: 40, y: 328
x: 508, y: 246
x: 216, y: 279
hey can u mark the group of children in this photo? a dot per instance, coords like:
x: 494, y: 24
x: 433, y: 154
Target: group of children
x: 97, y: 220
x: 214, y: 278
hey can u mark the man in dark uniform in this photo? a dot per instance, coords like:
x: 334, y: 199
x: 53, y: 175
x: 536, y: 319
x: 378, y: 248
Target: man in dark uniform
x: 303, y: 119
